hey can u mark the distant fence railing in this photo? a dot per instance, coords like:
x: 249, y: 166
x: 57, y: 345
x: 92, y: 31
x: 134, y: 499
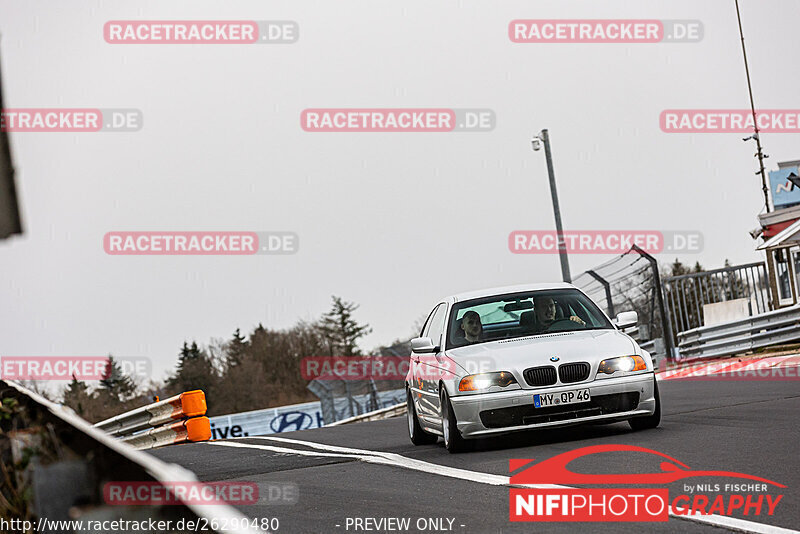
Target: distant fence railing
x: 631, y: 282
x: 384, y: 413
x: 685, y: 295
x: 174, y: 420
x: 759, y: 331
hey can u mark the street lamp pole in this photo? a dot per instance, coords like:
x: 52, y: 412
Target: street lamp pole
x: 562, y: 249
x: 759, y: 153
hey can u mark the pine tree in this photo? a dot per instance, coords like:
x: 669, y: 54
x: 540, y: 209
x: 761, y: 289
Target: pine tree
x: 76, y: 396
x: 194, y: 370
x: 187, y: 355
x: 237, y: 347
x: 340, y: 330
x: 116, y: 383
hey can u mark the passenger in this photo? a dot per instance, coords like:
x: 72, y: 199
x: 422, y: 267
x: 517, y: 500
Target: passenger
x: 472, y: 327
x: 545, y: 311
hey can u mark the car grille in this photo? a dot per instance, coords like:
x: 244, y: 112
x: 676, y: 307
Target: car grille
x: 530, y: 415
x: 573, y: 372
x: 540, y: 376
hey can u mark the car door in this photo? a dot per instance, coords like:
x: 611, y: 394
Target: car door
x: 429, y: 366
x: 417, y: 374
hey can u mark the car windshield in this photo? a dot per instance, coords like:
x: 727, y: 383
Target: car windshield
x: 522, y: 314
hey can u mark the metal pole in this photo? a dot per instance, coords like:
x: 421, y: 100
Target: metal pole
x: 10, y: 221
x: 562, y: 250
x: 607, y: 287
x: 760, y: 154
x: 673, y: 301
x: 697, y: 302
x: 750, y: 296
x: 665, y: 322
x: 686, y: 321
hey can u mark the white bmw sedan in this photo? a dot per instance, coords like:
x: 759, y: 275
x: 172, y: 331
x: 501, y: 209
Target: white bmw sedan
x: 525, y: 357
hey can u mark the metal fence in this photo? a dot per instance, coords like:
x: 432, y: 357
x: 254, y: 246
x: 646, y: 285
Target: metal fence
x: 686, y: 295
x: 343, y: 398
x: 758, y: 331
x: 631, y: 282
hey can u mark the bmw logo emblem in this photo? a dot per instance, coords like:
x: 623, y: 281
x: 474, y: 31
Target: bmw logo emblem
x: 554, y: 358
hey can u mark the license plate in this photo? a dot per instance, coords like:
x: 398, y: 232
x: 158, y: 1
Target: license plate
x: 557, y: 399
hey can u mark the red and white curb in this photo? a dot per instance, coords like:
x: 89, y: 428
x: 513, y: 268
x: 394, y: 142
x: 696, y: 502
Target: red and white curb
x: 731, y: 366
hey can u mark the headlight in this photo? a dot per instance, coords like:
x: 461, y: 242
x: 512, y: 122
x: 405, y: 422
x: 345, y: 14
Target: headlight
x: 486, y: 380
x: 623, y: 363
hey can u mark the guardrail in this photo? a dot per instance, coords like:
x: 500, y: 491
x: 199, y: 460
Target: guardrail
x: 759, y: 331
x: 196, y: 429
x: 657, y: 351
x: 174, y: 420
x: 72, y: 487
x: 383, y: 413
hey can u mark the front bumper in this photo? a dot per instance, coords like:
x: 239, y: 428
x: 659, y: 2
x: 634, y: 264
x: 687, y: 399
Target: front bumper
x: 510, y: 411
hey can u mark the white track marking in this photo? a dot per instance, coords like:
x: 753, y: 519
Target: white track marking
x: 390, y: 459
x: 397, y: 460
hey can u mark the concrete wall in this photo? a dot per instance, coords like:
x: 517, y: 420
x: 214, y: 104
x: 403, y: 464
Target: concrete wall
x: 724, y: 312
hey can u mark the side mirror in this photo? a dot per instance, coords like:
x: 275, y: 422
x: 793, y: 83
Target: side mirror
x: 421, y: 345
x: 626, y: 319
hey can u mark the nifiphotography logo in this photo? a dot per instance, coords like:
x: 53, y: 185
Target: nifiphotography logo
x: 539, y: 495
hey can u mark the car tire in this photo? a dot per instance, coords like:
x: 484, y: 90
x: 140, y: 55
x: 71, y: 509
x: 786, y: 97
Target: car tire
x: 649, y: 421
x: 415, y: 432
x: 454, y: 442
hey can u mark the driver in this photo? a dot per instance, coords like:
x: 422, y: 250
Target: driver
x: 472, y: 327
x: 545, y: 310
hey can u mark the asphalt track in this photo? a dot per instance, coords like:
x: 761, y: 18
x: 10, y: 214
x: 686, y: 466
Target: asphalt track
x: 743, y: 426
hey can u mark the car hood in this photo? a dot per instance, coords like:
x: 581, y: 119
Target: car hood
x: 516, y: 355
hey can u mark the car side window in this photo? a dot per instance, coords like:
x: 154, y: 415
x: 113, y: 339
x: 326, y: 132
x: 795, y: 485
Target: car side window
x: 437, y: 325
x: 427, y: 326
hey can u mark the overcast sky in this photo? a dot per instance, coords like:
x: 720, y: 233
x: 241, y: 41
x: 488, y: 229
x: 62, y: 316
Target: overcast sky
x: 392, y: 221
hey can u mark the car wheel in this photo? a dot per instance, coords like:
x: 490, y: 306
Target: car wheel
x: 415, y: 432
x: 649, y: 421
x: 453, y: 441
